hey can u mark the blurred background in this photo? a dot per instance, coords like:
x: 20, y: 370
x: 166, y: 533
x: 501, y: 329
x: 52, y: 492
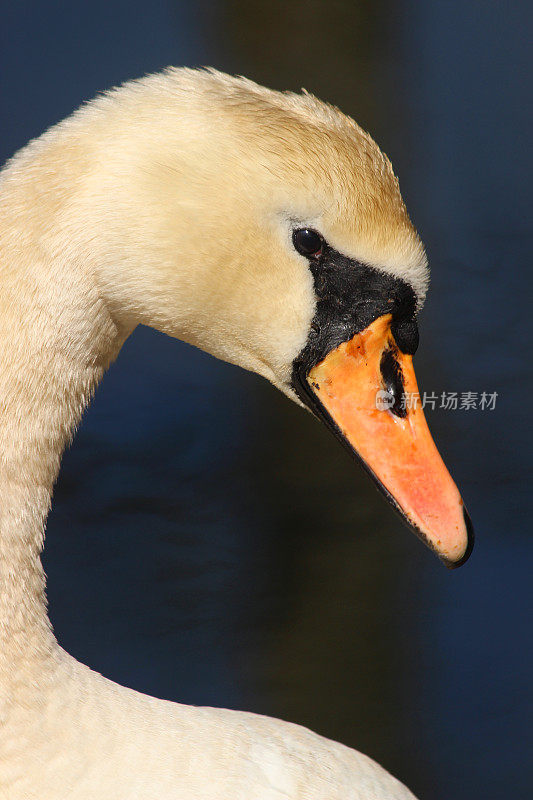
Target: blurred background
x: 209, y: 541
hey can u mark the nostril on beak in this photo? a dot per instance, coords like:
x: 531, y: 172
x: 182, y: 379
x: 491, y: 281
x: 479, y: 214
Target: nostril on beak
x: 392, y: 376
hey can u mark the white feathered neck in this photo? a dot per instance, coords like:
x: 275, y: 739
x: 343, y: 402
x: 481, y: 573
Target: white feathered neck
x: 167, y: 202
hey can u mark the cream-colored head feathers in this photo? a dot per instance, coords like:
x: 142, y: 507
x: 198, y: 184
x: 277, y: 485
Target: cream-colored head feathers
x: 178, y: 192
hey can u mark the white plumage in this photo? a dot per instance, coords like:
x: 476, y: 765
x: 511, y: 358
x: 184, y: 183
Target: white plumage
x: 169, y: 202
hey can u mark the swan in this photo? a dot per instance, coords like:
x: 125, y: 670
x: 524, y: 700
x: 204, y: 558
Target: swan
x: 268, y: 229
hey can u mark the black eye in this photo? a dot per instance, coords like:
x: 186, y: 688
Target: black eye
x: 308, y: 242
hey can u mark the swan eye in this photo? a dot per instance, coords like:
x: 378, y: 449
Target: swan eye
x: 308, y: 242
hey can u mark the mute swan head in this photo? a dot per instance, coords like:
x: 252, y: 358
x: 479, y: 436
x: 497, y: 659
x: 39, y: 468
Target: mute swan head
x: 269, y: 230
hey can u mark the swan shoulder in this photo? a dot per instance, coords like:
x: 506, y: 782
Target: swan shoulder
x: 94, y: 739
x: 144, y: 747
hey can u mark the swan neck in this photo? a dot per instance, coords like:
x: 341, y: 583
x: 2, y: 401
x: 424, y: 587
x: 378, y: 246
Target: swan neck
x: 56, y: 340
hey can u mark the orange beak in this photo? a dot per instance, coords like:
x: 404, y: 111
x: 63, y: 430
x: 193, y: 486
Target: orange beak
x: 367, y: 392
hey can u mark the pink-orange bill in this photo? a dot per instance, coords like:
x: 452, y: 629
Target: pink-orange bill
x: 368, y: 389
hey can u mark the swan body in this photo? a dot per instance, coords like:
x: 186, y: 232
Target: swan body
x: 169, y: 202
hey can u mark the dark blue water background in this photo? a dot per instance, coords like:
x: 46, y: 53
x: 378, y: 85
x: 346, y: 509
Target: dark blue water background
x: 210, y: 542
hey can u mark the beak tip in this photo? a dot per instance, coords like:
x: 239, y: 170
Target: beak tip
x: 469, y: 544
